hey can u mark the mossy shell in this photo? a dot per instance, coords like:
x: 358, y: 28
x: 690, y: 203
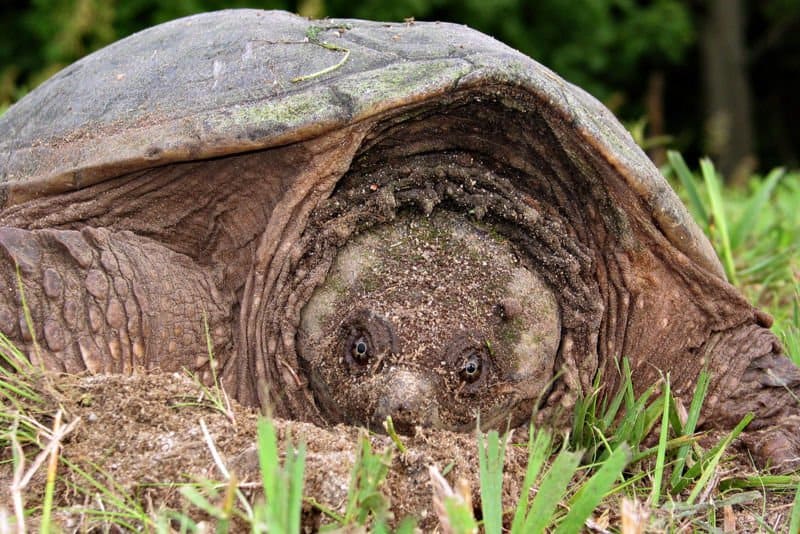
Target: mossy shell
x: 243, y: 80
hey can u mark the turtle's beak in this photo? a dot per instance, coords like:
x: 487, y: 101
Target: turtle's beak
x: 410, y: 399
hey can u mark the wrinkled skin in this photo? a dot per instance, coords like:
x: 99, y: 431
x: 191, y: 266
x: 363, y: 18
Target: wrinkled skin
x: 242, y: 183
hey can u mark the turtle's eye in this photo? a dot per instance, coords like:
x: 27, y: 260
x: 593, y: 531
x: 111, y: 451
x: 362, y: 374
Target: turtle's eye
x: 360, y: 350
x: 469, y: 363
x: 471, y: 368
x: 366, y: 339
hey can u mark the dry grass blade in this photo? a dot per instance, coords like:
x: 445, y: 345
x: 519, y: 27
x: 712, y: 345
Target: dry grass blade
x: 22, y: 478
x: 452, y: 508
x: 441, y: 491
x: 213, y: 450
x: 728, y: 519
x: 634, y: 515
x: 5, y: 521
x: 218, y: 461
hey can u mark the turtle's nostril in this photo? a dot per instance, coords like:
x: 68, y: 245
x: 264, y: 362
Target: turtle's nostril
x: 400, y: 410
x: 410, y: 401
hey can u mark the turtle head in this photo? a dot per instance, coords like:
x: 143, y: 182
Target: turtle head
x: 432, y: 321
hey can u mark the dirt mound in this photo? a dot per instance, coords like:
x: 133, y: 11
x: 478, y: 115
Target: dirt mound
x: 141, y: 437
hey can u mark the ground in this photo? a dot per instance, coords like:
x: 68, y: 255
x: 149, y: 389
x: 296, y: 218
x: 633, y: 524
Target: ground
x: 144, y: 432
x: 141, y: 437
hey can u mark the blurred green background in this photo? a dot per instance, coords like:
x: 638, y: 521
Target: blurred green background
x: 718, y: 77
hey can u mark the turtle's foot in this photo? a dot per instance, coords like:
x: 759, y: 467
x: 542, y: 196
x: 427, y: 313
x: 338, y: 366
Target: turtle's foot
x: 770, y: 389
x: 776, y: 448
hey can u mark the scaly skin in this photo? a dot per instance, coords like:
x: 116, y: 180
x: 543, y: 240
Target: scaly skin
x: 108, y: 302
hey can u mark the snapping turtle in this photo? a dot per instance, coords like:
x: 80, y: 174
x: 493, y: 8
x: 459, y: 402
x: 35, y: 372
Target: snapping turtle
x: 373, y: 219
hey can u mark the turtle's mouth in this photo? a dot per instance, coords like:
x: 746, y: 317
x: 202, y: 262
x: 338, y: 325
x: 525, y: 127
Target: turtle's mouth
x: 409, y: 399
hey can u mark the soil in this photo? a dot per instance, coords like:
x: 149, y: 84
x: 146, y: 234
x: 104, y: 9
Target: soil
x: 141, y: 436
x: 143, y: 432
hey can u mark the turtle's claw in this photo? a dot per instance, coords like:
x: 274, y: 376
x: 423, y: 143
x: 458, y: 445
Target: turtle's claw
x: 776, y: 448
x: 769, y: 389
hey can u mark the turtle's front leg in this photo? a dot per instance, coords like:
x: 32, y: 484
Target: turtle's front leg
x: 769, y: 388
x: 107, y: 301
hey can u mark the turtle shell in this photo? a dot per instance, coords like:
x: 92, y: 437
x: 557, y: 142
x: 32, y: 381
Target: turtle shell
x: 238, y: 81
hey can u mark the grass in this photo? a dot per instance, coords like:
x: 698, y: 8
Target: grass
x: 277, y: 511
x: 312, y: 36
x: 606, y: 471
x: 283, y: 484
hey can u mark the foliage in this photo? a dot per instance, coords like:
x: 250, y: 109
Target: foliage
x: 365, y: 500
x: 283, y: 484
x: 597, y: 461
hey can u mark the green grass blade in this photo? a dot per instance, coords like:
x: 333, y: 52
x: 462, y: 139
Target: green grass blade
x: 408, y: 526
x: 710, y: 466
x: 13, y: 390
x: 296, y: 469
x: 589, y: 496
x: 794, y: 521
x: 640, y: 413
x: 748, y: 222
x: 460, y: 516
x: 655, y: 492
x: 551, y: 491
x: 790, y: 336
x: 674, y: 443
x: 719, y: 220
x: 49, y: 489
x: 191, y: 494
x: 635, y: 424
x: 610, y: 412
x: 168, y: 517
x: 581, y: 426
x: 268, y: 462
x: 539, y: 444
x: 364, y: 497
x: 764, y: 266
x: 629, y: 397
x: 119, y: 507
x: 11, y: 355
x: 283, y: 484
x: 491, y: 456
x: 692, y: 417
x: 760, y: 482
x: 687, y: 180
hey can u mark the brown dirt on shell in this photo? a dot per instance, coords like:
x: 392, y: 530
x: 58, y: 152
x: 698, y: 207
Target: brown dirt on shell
x: 144, y: 433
